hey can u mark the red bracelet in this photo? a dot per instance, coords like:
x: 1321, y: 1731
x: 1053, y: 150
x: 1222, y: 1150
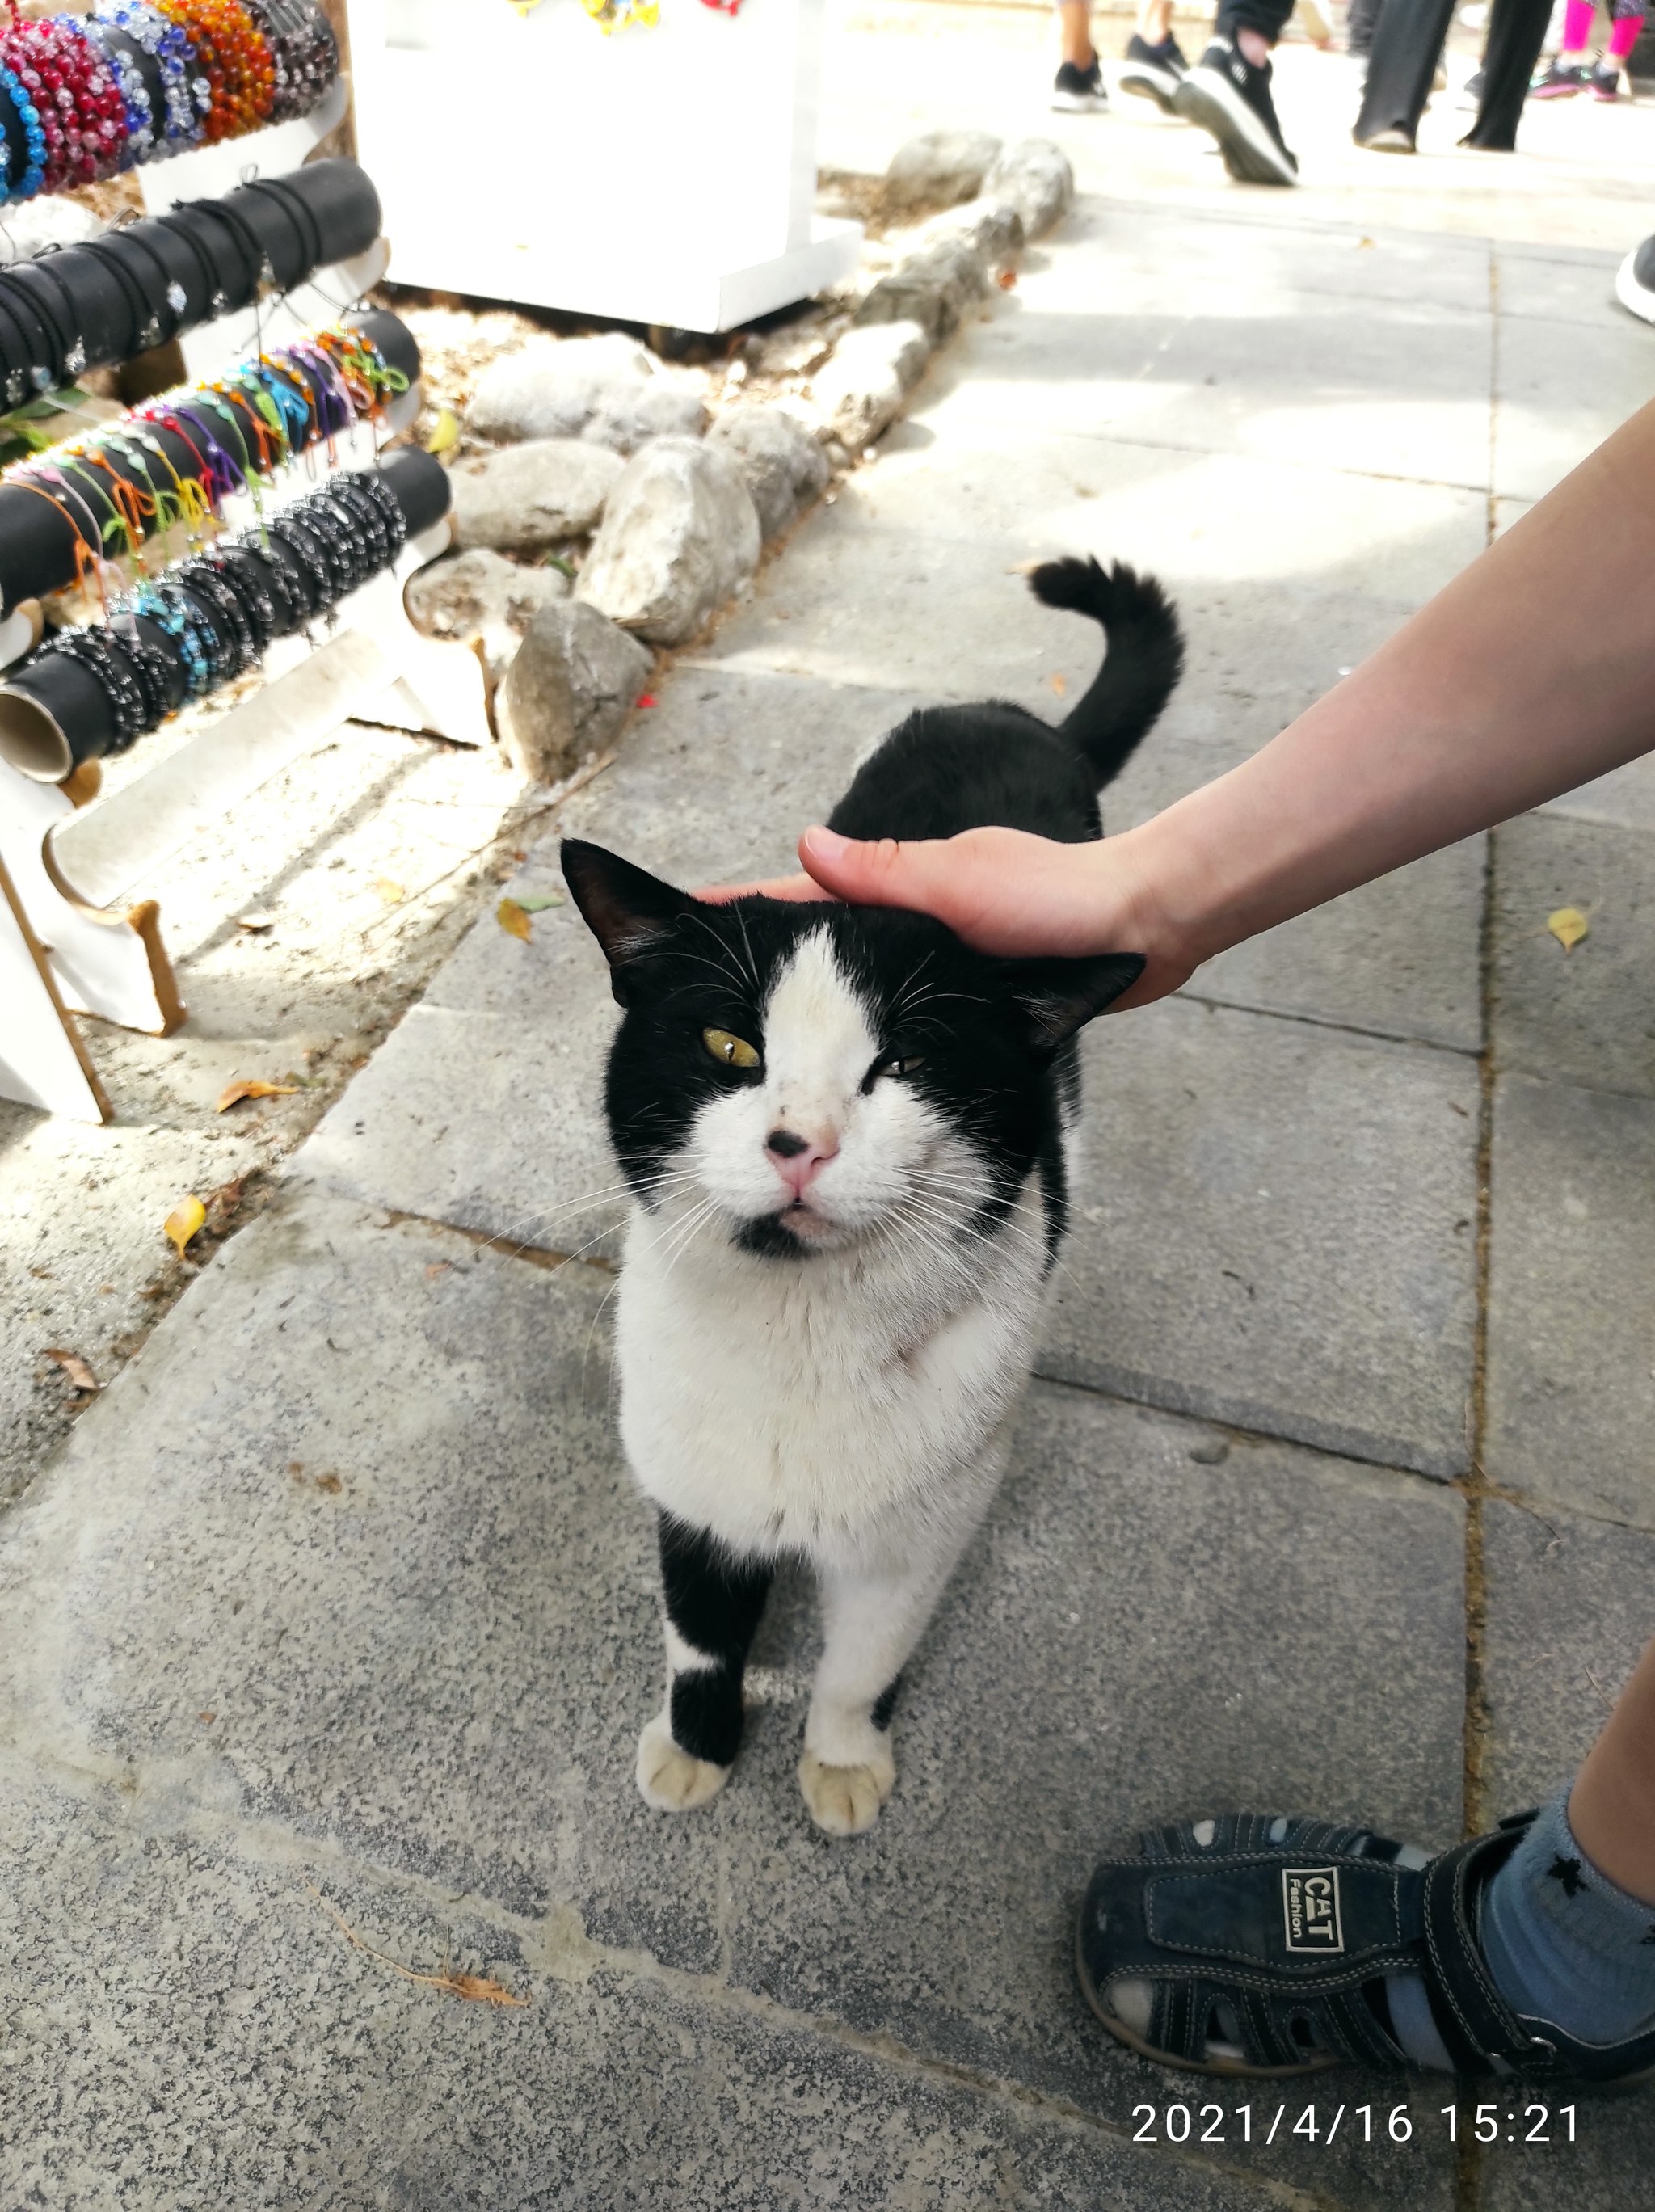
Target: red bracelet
x: 83, y: 115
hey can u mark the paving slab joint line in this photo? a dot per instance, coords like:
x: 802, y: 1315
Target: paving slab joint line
x: 1326, y: 1022
x: 532, y: 1256
x: 556, y: 1948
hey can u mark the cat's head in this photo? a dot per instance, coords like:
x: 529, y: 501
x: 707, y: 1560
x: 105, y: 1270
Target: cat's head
x: 813, y: 1072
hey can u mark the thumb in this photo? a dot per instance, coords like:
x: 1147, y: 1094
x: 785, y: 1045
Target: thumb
x: 884, y: 871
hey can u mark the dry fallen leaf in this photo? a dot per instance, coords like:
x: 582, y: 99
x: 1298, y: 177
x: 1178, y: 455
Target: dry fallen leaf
x: 1568, y: 925
x: 252, y: 1087
x: 513, y: 918
x: 1059, y: 685
x: 390, y: 889
x: 255, y: 924
x: 1006, y: 279
x: 540, y: 904
x: 76, y: 1368
x: 445, y: 432
x: 438, y: 1267
x: 182, y: 1223
x: 475, y: 1989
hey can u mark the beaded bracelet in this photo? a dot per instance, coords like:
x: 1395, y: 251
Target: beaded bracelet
x: 90, y: 649
x: 130, y: 82
x: 34, y: 173
x: 168, y: 46
x: 185, y: 623
x: 227, y: 615
x: 150, y: 666
x: 234, y: 59
x: 252, y: 595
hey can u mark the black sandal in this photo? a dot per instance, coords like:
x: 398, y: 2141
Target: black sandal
x: 1259, y: 1945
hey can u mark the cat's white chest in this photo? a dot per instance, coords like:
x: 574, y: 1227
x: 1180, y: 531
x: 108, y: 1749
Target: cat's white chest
x: 803, y: 1409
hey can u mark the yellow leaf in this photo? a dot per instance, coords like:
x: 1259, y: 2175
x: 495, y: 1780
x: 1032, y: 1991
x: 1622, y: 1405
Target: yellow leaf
x: 76, y: 1368
x: 1568, y: 925
x: 390, y: 890
x: 513, y: 920
x: 182, y: 1223
x: 233, y: 1093
x: 445, y: 432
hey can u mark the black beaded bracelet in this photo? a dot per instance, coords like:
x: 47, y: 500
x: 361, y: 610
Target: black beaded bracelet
x: 92, y: 650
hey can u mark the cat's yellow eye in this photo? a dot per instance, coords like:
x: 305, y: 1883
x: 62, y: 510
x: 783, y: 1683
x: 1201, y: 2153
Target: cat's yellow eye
x: 731, y: 1051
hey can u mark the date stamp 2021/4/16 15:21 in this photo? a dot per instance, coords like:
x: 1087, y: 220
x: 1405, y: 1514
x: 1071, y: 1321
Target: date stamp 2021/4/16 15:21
x: 1181, y: 2122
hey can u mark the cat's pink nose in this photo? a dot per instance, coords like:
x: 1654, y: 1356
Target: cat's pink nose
x: 799, y: 1160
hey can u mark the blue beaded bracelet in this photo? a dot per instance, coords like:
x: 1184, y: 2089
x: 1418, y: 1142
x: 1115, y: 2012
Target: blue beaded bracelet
x: 28, y: 115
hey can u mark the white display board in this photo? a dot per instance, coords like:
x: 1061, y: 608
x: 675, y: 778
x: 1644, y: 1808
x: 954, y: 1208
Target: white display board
x: 663, y: 174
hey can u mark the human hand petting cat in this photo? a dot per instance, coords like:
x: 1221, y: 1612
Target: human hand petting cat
x: 1002, y: 891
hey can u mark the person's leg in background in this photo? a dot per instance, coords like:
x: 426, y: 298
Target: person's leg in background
x: 1517, y: 31
x: 1569, y: 68
x: 1362, y: 20
x: 1156, y: 65
x: 1078, y: 87
x: 1228, y: 92
x: 1627, y: 20
x: 1406, y: 45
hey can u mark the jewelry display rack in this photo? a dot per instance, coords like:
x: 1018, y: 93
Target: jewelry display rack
x: 70, y: 942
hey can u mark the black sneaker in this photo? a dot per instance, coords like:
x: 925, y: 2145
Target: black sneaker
x: 1634, y: 280
x: 1079, y: 91
x: 1225, y: 94
x: 1153, y: 72
x: 1604, y: 79
x: 1561, y: 81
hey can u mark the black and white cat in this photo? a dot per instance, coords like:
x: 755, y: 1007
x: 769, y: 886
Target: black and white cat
x: 843, y: 1133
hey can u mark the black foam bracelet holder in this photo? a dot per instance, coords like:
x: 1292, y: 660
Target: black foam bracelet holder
x: 326, y: 212
x: 77, y: 702
x: 38, y: 539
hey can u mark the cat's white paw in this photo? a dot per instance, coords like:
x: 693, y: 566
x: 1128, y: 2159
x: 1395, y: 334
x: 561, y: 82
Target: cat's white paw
x: 670, y: 1779
x: 845, y: 1800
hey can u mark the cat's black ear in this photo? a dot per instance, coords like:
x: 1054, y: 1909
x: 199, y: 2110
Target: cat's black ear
x: 1058, y: 997
x: 627, y: 909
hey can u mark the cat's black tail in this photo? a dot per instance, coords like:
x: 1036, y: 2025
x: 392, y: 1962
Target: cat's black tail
x: 1141, y: 667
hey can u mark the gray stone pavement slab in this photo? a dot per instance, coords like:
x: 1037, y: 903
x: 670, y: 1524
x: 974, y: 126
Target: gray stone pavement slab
x: 371, y: 1577
x: 187, y: 2029
x: 1560, y: 389
x: 1560, y: 284
x: 1570, y: 1604
x: 1570, y: 1380
x: 1218, y: 383
x: 1625, y: 798
x: 1586, y: 1015
x: 1274, y: 1227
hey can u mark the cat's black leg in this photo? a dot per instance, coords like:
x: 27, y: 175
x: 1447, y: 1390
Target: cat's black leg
x: 713, y: 1603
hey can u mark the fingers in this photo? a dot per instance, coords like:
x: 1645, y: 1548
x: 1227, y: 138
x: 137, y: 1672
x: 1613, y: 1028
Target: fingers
x: 885, y: 872
x: 802, y: 888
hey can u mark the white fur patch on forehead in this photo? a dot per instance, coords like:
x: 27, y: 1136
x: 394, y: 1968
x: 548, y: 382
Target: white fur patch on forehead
x: 819, y: 1037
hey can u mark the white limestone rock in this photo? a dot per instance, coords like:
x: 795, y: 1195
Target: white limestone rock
x: 466, y: 593
x: 939, y: 166
x: 528, y: 498
x: 992, y: 226
x: 1033, y: 175
x: 932, y: 286
x: 680, y: 537
x: 569, y: 691
x: 782, y: 465
x: 872, y: 370
x: 608, y: 390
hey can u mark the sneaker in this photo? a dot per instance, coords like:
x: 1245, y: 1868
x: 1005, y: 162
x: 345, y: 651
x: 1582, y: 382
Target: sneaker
x: 1153, y: 72
x: 1562, y: 81
x: 1393, y: 139
x: 1471, y: 93
x: 1634, y: 280
x: 1604, y: 79
x: 1079, y: 91
x: 1226, y: 95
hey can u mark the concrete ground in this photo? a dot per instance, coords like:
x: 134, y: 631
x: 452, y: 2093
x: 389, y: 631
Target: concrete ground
x: 1332, y: 1493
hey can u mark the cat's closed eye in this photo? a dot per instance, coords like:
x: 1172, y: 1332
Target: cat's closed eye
x: 730, y: 1050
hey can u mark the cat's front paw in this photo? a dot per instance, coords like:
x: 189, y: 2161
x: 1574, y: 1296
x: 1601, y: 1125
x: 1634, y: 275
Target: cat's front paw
x: 671, y: 1779
x: 844, y: 1800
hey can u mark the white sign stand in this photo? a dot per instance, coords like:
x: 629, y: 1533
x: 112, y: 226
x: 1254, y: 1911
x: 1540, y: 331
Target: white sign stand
x: 663, y: 174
